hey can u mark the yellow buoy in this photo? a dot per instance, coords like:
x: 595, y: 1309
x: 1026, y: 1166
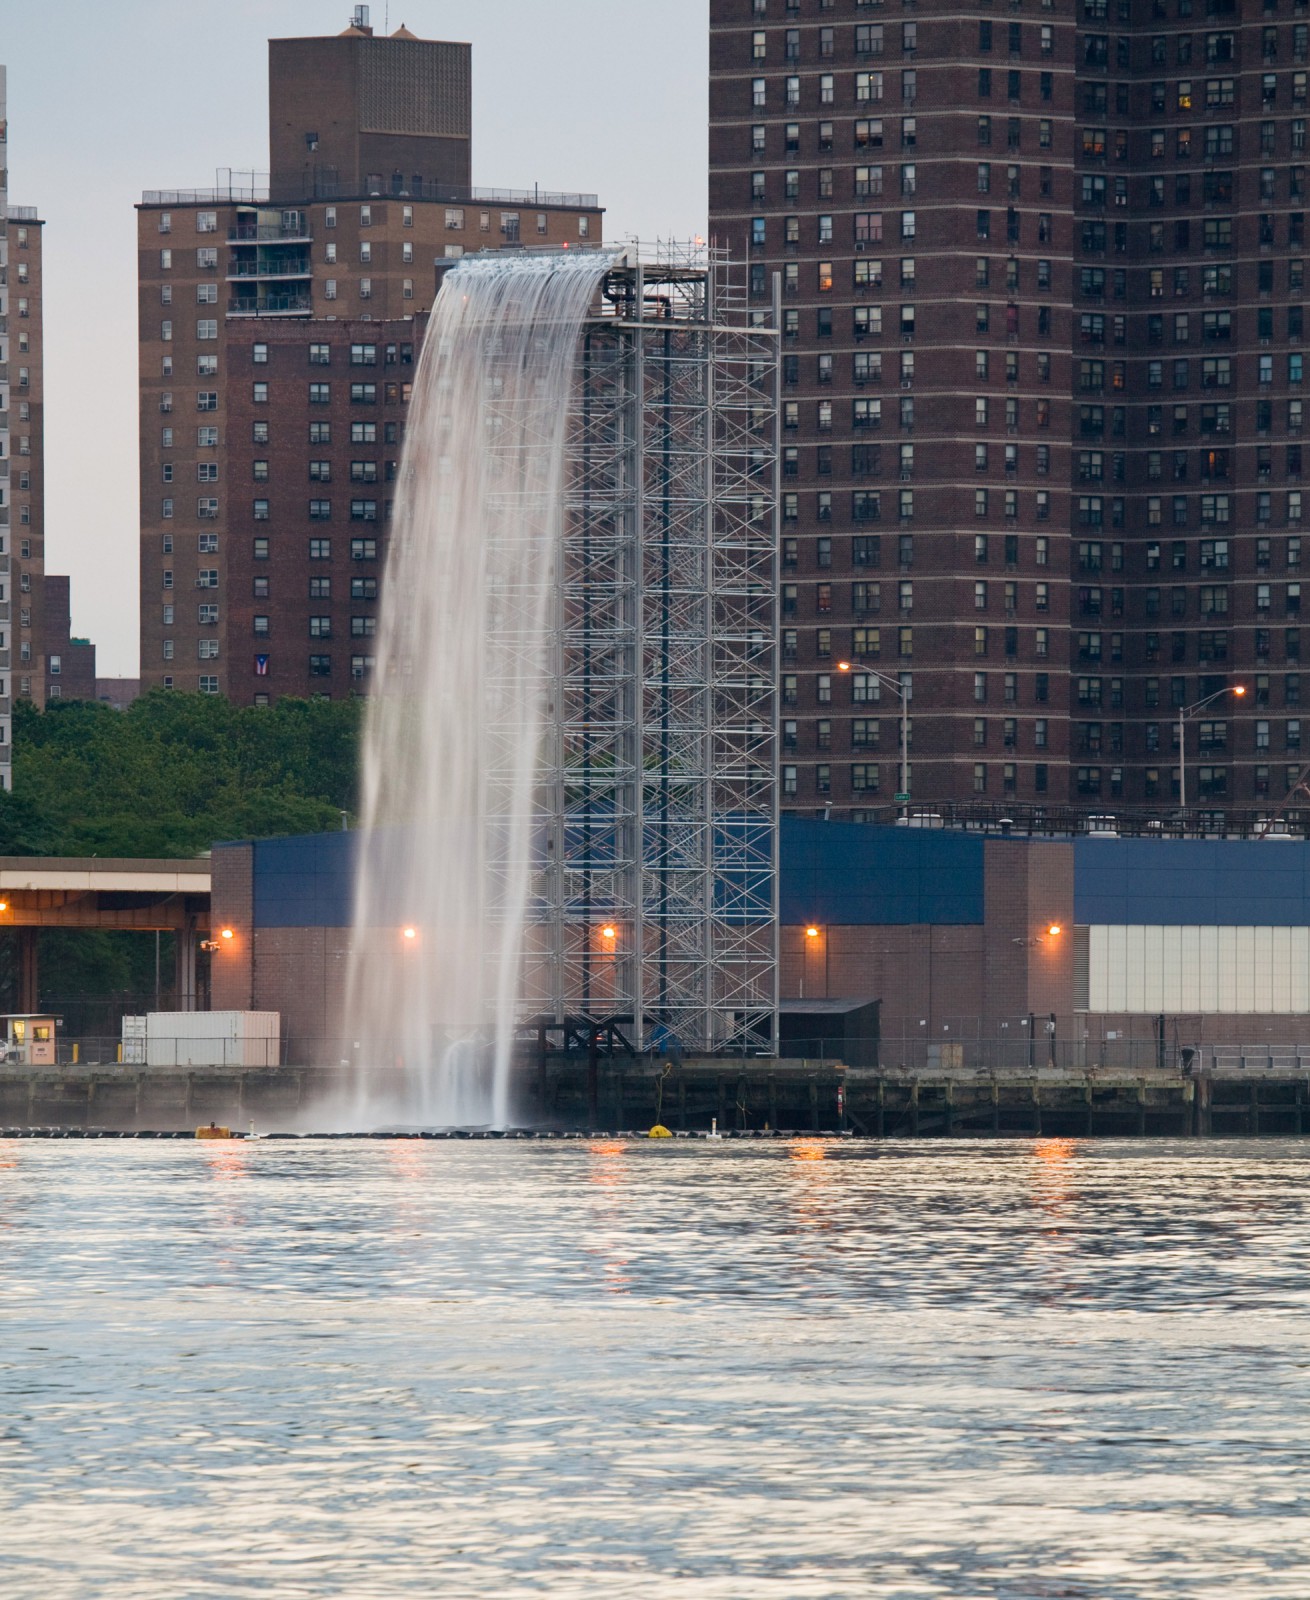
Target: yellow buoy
x: 213, y: 1131
x: 659, y: 1131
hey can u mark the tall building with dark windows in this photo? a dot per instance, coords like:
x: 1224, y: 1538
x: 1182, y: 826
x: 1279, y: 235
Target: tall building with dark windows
x: 1042, y: 276
x: 279, y: 328
x: 22, y: 452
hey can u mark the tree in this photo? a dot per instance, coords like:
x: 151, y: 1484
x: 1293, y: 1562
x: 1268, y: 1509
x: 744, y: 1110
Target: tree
x: 175, y: 773
x: 170, y: 776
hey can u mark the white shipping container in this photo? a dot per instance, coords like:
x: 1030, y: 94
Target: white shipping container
x: 134, y: 1042
x: 212, y: 1039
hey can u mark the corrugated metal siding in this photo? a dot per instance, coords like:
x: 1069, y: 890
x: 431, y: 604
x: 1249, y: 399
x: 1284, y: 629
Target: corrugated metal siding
x: 1192, y: 882
x: 305, y: 882
x: 1081, y: 969
x: 1201, y: 970
x: 851, y: 874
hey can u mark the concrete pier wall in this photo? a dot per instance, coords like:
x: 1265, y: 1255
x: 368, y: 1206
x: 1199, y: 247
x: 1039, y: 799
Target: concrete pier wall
x: 745, y: 1096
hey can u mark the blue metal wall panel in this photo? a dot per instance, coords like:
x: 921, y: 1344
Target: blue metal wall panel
x: 851, y: 874
x: 305, y: 882
x: 856, y: 875
x: 1192, y: 882
x: 832, y: 872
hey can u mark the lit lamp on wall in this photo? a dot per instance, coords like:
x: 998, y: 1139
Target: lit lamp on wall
x: 814, y: 940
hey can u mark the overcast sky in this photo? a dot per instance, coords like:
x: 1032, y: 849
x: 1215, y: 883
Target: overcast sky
x: 109, y: 97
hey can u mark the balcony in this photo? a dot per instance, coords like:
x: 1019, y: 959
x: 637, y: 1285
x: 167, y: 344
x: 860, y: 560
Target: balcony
x: 276, y: 267
x: 271, y: 233
x: 272, y: 305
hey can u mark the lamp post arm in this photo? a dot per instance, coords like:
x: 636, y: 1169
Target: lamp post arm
x: 1183, y: 713
x: 895, y: 684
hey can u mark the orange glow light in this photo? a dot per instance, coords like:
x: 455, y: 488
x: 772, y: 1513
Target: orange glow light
x: 227, y: 934
x: 1055, y: 930
x: 811, y: 933
x: 4, y: 905
x: 806, y: 1150
x: 609, y: 931
x: 843, y: 666
x: 411, y: 933
x: 1239, y: 689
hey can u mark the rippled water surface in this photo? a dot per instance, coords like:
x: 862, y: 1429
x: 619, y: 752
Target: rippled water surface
x: 393, y: 1369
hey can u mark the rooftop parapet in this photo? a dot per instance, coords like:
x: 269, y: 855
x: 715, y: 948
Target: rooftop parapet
x: 259, y: 195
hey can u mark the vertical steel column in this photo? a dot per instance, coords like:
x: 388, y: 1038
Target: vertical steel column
x: 638, y: 899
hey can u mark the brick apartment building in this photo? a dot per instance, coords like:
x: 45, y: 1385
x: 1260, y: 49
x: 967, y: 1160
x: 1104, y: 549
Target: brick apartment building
x: 22, y: 472
x: 277, y: 341
x: 70, y: 662
x: 1042, y: 274
x: 302, y: 610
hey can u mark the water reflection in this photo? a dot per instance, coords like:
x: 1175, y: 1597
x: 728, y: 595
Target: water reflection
x: 807, y: 1150
x: 1011, y: 1370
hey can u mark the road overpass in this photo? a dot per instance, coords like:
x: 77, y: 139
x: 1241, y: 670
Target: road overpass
x: 124, y: 894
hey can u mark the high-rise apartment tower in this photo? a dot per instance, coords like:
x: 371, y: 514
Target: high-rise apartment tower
x: 22, y: 431
x: 1042, y: 273
x: 279, y: 327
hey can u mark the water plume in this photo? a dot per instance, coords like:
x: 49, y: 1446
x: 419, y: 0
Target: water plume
x: 455, y: 723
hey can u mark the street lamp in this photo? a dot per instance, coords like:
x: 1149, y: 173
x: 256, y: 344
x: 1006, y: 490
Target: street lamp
x: 903, y: 691
x: 1238, y: 689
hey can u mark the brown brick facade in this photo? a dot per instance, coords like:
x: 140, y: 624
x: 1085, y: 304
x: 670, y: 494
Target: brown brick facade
x: 1042, y: 273
x: 357, y: 232
x: 362, y: 114
x: 26, y: 497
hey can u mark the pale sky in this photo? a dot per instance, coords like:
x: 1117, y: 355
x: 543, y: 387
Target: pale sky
x: 110, y: 97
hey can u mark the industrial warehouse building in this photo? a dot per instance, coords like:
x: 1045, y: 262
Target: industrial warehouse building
x: 983, y: 949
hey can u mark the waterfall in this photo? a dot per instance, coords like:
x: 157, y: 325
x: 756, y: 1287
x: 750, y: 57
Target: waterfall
x: 459, y: 693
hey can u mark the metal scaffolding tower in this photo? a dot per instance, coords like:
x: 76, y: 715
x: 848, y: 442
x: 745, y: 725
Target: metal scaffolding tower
x: 657, y: 902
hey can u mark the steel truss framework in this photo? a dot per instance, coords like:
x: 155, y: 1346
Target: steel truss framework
x: 657, y: 819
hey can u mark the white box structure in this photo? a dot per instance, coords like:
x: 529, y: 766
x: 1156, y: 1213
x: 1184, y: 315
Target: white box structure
x: 203, y: 1039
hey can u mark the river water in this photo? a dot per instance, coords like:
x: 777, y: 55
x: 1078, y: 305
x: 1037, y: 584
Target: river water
x: 1018, y: 1369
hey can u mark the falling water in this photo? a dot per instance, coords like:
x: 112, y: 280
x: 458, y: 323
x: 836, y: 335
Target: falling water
x: 452, y: 738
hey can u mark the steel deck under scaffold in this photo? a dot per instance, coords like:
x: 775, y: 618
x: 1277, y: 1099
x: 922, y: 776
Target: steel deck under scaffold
x: 657, y: 821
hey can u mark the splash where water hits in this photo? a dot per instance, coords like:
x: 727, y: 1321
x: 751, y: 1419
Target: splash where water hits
x: 455, y: 723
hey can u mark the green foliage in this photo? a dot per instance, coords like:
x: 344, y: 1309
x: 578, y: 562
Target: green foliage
x: 175, y: 773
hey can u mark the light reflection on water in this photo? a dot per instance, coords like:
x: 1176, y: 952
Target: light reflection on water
x: 1029, y: 1369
